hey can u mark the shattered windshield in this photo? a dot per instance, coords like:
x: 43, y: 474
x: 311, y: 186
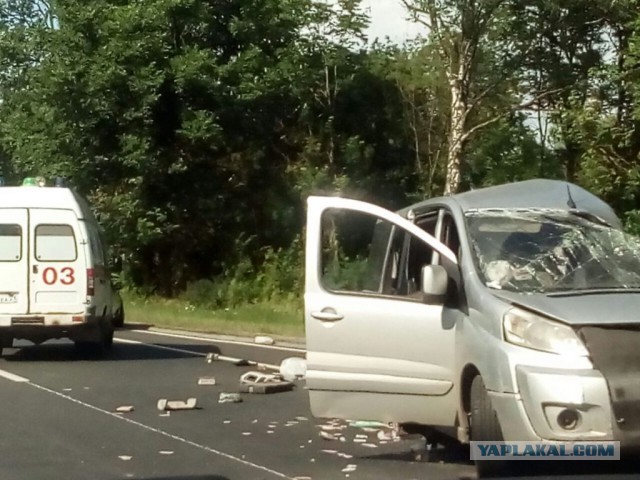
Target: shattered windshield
x: 551, y: 251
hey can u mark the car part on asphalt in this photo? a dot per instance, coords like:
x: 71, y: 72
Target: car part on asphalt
x: 258, y: 382
x: 207, y: 381
x: 264, y: 340
x: 166, y: 405
x: 293, y: 368
x: 229, y: 398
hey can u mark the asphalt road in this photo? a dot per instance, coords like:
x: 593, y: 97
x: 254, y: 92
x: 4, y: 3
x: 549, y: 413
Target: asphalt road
x: 57, y: 411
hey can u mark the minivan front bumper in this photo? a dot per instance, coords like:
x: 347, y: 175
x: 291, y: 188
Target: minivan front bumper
x: 558, y: 405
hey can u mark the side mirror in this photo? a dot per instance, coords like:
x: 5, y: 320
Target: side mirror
x: 434, y: 283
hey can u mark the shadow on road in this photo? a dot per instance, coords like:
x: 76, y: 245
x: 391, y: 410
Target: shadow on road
x: 568, y: 470
x: 197, y: 477
x: 66, y: 352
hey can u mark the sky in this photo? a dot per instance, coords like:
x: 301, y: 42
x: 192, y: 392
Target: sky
x: 388, y: 18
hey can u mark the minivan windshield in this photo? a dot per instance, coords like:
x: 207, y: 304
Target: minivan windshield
x: 551, y: 251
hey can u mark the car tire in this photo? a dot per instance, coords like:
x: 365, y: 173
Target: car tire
x: 118, y: 318
x: 97, y: 348
x: 485, y: 427
x: 107, y: 336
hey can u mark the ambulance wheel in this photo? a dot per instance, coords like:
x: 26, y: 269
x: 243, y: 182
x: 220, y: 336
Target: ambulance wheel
x: 107, y: 336
x: 118, y: 318
x: 485, y: 427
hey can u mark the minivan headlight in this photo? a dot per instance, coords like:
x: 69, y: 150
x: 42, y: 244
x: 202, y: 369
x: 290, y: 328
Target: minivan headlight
x: 529, y: 330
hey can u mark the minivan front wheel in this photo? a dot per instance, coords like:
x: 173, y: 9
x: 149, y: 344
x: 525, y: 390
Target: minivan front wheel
x: 485, y: 427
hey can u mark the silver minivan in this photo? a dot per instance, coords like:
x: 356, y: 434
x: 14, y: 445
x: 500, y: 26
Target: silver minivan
x: 509, y: 313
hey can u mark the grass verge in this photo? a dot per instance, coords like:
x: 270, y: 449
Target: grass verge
x: 274, y: 318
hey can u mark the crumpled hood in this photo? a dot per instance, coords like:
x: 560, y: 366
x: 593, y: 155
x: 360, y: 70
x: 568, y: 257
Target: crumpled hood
x: 583, y: 308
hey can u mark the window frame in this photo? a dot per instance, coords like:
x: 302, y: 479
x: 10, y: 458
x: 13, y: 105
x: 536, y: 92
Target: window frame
x: 35, y: 243
x: 21, y: 242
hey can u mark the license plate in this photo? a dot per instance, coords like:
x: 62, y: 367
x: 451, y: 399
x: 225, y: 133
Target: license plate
x: 8, y: 298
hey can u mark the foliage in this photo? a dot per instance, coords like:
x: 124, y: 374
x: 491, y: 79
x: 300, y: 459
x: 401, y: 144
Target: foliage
x: 197, y: 128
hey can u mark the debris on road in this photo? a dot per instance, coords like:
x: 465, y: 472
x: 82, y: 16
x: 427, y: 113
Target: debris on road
x: 67, y: 389
x: 326, y: 436
x: 125, y: 409
x: 246, y: 434
x: 293, y: 368
x: 207, y: 381
x: 240, y: 362
x: 302, y: 419
x: 368, y: 424
x: 125, y: 457
x: 166, y: 452
x: 349, y: 468
x: 264, y: 340
x: 164, y: 404
x: 258, y: 382
x: 229, y: 398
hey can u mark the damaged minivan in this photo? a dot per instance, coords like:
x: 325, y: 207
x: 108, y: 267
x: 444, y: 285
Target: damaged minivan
x: 505, y: 313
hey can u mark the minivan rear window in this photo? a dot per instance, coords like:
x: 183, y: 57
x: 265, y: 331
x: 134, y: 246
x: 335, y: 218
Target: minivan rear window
x: 55, y: 243
x: 10, y: 243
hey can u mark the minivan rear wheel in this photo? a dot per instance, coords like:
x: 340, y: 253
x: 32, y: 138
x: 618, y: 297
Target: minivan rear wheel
x: 485, y: 427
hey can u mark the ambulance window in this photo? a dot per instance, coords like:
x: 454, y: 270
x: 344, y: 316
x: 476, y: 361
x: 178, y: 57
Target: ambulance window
x: 10, y: 243
x: 55, y: 243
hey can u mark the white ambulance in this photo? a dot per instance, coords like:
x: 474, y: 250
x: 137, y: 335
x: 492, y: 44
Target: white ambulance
x: 54, y: 281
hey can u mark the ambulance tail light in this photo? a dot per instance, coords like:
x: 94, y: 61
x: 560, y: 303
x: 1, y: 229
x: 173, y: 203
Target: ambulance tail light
x: 91, y: 282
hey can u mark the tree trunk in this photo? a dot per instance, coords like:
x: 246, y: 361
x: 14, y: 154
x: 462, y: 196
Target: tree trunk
x: 457, y: 131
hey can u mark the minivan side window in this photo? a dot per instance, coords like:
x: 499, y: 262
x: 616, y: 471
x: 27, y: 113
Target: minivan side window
x: 365, y: 254
x: 55, y: 243
x: 10, y: 243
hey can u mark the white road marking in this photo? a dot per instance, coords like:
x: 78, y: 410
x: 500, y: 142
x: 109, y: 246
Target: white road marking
x: 190, y: 352
x: 13, y: 377
x: 162, y: 432
x: 216, y: 340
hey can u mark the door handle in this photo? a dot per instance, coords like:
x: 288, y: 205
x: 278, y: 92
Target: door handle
x: 327, y: 316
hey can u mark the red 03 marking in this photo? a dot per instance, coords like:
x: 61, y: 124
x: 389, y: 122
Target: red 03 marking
x: 66, y: 276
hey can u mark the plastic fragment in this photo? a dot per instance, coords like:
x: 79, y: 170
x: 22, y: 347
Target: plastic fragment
x: 166, y: 452
x: 293, y: 368
x: 229, y: 398
x: 263, y: 340
x: 207, y: 381
x: 246, y: 434
x: 327, y: 436
x: 125, y: 457
x: 125, y: 409
x: 164, y: 404
x: 367, y: 424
